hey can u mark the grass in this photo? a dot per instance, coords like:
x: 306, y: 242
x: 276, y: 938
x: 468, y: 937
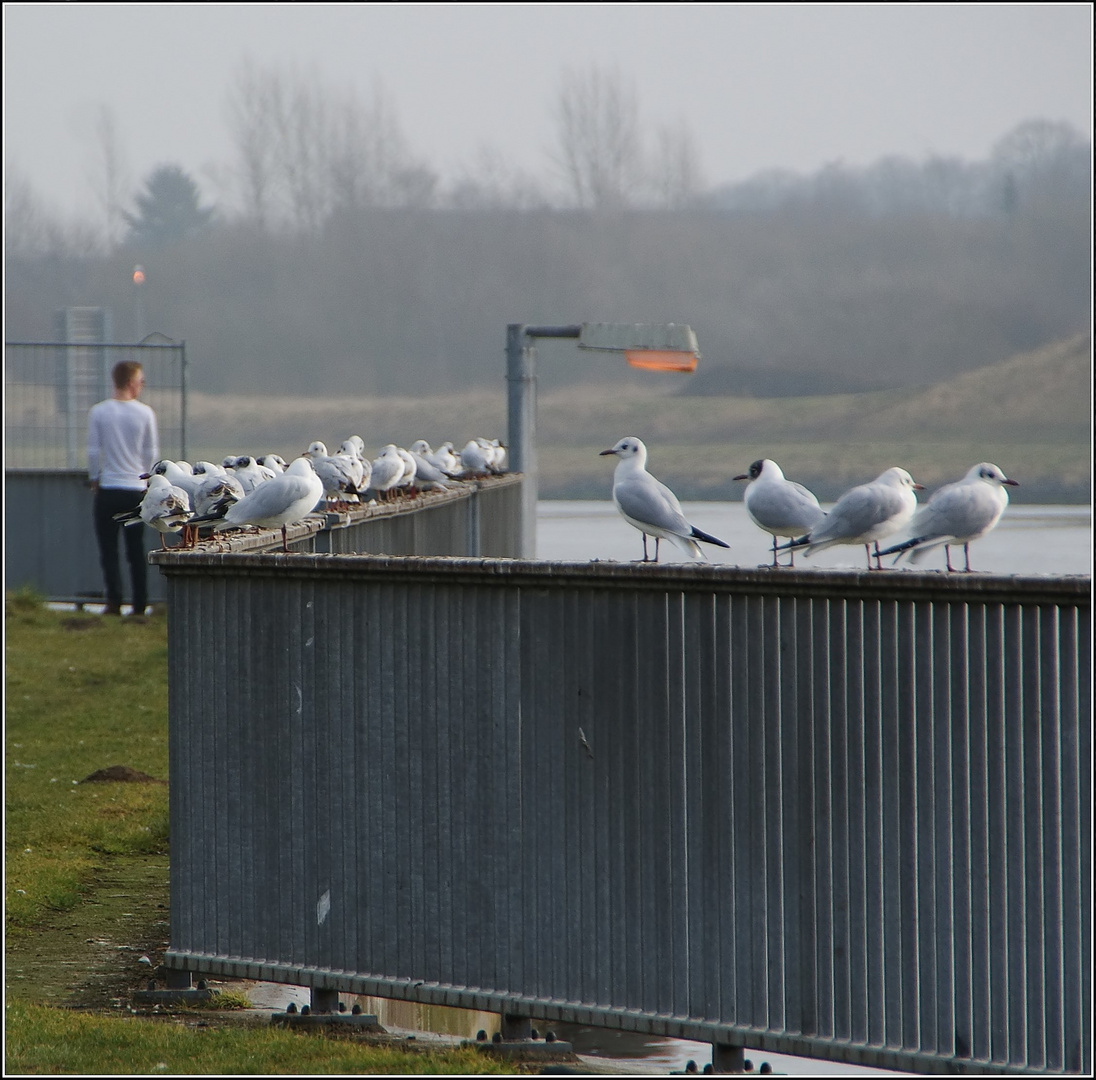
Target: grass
x: 83, y: 693
x: 48, y: 1040
x: 87, y: 871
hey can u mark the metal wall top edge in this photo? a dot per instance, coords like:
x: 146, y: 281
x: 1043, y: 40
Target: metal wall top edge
x: 888, y: 585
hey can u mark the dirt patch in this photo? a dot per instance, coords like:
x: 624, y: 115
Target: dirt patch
x: 82, y: 624
x: 122, y: 773
x: 90, y: 956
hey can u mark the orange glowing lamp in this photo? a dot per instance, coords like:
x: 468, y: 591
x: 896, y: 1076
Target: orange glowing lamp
x: 652, y: 347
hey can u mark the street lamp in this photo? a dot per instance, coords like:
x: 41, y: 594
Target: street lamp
x: 138, y: 300
x: 654, y: 347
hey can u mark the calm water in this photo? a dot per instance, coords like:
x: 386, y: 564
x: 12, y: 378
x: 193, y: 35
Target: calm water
x: 1029, y: 539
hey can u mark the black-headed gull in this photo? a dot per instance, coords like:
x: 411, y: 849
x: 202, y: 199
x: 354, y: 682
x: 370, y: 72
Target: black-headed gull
x: 864, y: 515
x: 165, y: 507
x: 958, y: 513
x: 286, y: 498
x: 387, y: 470
x: 250, y: 473
x: 778, y: 505
x: 339, y: 473
x: 650, y: 506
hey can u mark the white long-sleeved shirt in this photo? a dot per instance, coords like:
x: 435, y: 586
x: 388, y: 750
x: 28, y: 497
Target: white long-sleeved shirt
x: 123, y: 443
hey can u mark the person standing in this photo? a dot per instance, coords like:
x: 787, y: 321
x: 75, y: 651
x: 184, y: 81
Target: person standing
x: 123, y: 445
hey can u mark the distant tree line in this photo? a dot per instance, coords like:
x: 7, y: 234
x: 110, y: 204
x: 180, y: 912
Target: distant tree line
x: 335, y: 260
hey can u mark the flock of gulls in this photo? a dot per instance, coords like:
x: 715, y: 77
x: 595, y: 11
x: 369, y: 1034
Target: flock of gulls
x: 266, y: 492
x: 957, y: 513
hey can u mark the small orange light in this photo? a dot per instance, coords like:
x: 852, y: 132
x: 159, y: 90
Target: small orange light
x: 661, y: 359
x: 138, y: 275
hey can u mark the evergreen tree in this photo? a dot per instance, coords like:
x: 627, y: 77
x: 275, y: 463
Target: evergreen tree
x: 168, y: 209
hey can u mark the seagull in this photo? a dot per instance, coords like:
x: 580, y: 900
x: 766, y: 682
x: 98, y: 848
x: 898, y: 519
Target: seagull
x: 288, y: 497
x: 387, y: 470
x: 165, y: 507
x: 273, y: 462
x: 777, y: 505
x: 213, y: 496
x: 428, y: 476
x: 250, y: 473
x: 649, y: 505
x: 337, y: 473
x: 410, y: 469
x: 475, y: 460
x: 442, y: 460
x: 359, y: 468
x: 867, y: 513
x: 958, y: 513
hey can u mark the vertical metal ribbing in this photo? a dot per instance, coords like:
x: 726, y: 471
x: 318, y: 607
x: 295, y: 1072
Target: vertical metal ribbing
x: 1075, y: 816
x: 965, y: 685
x: 772, y: 913
x: 875, y: 856
x: 933, y: 816
x: 719, y: 815
x: 1083, y: 1051
x: 1015, y: 871
x: 860, y: 818
x: 825, y: 821
x: 791, y: 847
x: 1034, y: 720
x: 898, y: 801
x: 840, y: 643
x: 707, y: 778
x: 808, y: 828
x: 1050, y: 683
x: 938, y: 997
x: 752, y: 791
x: 994, y: 915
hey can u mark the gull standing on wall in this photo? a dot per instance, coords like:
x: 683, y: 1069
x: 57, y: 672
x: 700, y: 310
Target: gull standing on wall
x: 779, y: 506
x: 651, y: 506
x: 288, y: 497
x: 865, y: 514
x: 958, y: 513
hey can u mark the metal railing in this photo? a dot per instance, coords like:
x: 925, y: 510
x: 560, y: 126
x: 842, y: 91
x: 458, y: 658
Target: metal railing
x: 50, y: 386
x: 834, y: 814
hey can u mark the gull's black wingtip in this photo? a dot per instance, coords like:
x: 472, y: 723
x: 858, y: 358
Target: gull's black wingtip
x: 699, y: 535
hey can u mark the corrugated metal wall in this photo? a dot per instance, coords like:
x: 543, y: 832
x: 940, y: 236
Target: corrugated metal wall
x: 49, y: 544
x: 837, y: 814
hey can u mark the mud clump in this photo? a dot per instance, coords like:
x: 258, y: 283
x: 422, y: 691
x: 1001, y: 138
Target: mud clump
x: 120, y: 774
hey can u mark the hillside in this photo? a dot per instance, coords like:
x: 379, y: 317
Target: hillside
x: 1031, y: 414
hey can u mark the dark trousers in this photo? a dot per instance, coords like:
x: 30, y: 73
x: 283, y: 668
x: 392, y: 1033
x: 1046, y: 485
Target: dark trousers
x: 108, y: 502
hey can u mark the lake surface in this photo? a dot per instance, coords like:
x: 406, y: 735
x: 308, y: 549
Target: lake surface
x: 1054, y: 540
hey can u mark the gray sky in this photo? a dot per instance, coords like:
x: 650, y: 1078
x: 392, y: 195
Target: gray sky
x: 760, y: 87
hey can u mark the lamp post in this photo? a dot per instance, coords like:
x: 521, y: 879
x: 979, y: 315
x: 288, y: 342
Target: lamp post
x: 138, y: 300
x: 658, y: 347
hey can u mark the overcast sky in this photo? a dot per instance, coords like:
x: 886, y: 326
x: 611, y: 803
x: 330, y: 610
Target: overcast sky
x: 760, y: 87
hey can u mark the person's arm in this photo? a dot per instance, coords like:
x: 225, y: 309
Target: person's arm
x: 152, y: 442
x: 93, y: 451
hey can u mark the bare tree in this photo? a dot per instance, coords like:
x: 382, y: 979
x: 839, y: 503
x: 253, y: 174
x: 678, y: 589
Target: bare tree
x: 109, y: 174
x: 675, y: 173
x: 597, y: 126
x: 490, y: 182
x: 307, y: 151
x: 253, y: 99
